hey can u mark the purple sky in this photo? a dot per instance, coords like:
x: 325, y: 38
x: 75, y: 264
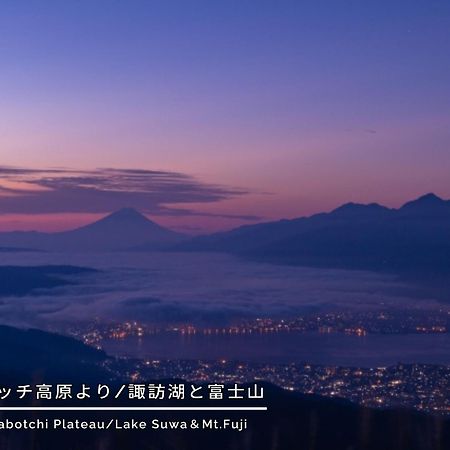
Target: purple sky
x: 250, y: 111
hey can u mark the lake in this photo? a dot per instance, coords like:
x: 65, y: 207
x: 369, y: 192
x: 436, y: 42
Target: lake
x: 314, y: 348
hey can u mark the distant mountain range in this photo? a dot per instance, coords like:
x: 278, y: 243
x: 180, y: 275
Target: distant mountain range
x: 121, y: 230
x: 415, y: 237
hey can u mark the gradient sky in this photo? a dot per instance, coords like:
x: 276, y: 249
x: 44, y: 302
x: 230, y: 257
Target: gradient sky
x: 284, y: 108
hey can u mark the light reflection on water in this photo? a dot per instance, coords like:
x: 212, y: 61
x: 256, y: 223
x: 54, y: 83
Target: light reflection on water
x: 315, y: 348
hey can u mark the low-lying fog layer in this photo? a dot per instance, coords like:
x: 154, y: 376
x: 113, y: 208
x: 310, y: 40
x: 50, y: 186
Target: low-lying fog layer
x: 199, y: 288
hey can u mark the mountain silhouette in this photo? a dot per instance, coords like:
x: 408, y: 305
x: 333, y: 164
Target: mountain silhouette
x: 413, y: 238
x: 121, y: 230
x: 427, y: 205
x: 358, y: 210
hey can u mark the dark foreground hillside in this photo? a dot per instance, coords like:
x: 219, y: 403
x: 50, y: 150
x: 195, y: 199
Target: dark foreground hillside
x: 292, y: 421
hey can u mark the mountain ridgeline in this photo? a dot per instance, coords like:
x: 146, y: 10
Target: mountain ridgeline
x: 410, y: 239
x: 121, y: 230
x: 414, y: 238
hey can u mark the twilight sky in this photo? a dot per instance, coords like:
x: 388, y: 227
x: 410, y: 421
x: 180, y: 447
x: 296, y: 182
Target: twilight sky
x: 233, y: 111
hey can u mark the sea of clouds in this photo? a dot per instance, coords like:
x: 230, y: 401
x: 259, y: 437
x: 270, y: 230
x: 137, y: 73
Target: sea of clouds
x: 197, y: 288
